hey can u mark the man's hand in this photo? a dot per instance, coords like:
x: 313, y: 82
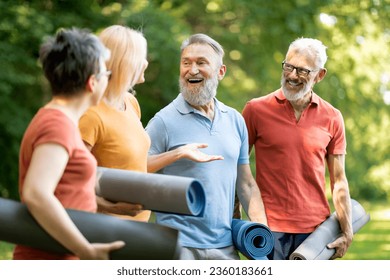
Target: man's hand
x: 192, y: 152
x: 341, y: 246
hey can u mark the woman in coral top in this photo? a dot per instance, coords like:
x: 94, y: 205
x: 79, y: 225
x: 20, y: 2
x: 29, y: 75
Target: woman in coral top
x: 113, y: 130
x: 56, y: 171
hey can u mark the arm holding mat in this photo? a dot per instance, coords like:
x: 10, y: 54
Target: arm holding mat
x: 143, y: 240
x: 157, y: 192
x: 315, y: 246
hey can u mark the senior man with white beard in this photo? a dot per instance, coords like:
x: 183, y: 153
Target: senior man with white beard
x: 295, y: 133
x: 197, y: 120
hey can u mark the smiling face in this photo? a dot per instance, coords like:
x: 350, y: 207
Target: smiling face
x: 296, y: 87
x: 200, y: 72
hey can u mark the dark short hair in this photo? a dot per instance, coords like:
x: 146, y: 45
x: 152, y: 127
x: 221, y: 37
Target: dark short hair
x: 70, y: 58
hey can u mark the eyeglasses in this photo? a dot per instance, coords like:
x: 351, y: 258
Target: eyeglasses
x: 105, y: 73
x: 303, y: 72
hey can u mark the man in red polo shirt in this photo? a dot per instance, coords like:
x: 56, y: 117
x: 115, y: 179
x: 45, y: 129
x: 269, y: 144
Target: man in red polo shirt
x: 295, y: 134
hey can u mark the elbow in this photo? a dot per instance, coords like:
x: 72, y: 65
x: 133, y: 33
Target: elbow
x: 33, y: 199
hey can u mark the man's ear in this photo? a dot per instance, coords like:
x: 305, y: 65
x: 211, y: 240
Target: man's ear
x: 90, y: 85
x: 321, y: 74
x: 221, y: 72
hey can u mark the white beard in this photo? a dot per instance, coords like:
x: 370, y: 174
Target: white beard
x: 294, y: 96
x: 199, y: 95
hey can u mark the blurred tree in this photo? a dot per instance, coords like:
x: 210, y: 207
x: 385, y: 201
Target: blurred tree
x: 21, y: 30
x: 23, y: 89
x: 359, y: 53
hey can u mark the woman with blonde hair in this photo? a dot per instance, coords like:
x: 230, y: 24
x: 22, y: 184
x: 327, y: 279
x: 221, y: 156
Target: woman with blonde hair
x: 112, y: 130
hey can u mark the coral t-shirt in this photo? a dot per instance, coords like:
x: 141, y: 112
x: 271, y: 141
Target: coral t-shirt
x: 76, y: 188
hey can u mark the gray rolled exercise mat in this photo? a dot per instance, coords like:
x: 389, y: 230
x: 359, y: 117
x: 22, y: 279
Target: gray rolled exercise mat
x: 314, y: 247
x: 143, y: 240
x: 254, y: 240
x: 157, y: 192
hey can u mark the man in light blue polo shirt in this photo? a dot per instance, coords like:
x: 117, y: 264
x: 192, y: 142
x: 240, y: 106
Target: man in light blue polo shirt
x: 197, y: 120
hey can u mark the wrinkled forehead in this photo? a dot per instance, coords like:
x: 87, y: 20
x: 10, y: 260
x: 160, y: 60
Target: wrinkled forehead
x: 199, y: 51
x: 299, y: 57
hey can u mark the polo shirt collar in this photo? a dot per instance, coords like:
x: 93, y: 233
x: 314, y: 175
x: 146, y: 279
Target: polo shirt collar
x: 280, y: 96
x: 184, y: 108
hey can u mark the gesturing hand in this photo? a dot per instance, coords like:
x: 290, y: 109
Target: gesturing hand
x: 192, y: 152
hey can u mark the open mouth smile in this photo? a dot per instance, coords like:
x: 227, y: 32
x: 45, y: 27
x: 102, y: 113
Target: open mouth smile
x: 194, y: 81
x: 294, y: 83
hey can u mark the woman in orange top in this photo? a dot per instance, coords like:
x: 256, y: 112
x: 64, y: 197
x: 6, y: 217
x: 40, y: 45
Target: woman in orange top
x: 56, y: 171
x: 113, y: 130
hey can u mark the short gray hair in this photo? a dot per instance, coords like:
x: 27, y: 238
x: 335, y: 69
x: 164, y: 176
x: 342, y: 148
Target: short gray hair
x: 313, y: 47
x: 203, y: 39
x: 69, y: 58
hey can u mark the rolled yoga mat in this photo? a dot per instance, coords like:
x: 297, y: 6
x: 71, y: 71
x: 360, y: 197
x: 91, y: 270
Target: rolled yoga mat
x: 143, y: 240
x: 314, y: 246
x: 157, y: 192
x: 254, y: 240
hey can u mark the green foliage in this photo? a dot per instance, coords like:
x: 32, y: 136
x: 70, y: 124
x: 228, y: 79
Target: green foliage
x: 164, y: 35
x: 255, y: 35
x: 372, y: 241
x: 358, y: 56
x: 6, y: 250
x: 18, y: 84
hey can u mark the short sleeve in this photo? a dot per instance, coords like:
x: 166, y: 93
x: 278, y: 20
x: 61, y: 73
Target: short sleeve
x: 244, y: 150
x: 338, y: 143
x: 56, y: 128
x: 158, y: 135
x: 90, y: 126
x: 247, y: 114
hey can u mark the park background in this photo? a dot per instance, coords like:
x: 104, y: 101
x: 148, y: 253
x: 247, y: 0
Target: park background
x: 255, y: 35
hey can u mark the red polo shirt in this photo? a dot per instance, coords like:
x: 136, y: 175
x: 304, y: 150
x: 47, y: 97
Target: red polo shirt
x: 291, y: 158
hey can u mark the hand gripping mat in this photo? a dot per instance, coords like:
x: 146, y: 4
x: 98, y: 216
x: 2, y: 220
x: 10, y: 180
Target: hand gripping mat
x: 314, y: 246
x: 157, y: 192
x: 143, y: 240
x: 254, y: 240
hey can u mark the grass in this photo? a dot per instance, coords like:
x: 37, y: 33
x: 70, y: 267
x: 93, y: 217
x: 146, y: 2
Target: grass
x: 6, y: 250
x: 372, y: 242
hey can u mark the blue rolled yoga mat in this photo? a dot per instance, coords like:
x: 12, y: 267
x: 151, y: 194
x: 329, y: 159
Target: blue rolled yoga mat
x: 157, y: 192
x: 143, y: 240
x: 254, y: 240
x: 315, y: 245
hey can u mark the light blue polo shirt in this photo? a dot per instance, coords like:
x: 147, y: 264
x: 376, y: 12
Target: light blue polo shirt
x: 178, y: 124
